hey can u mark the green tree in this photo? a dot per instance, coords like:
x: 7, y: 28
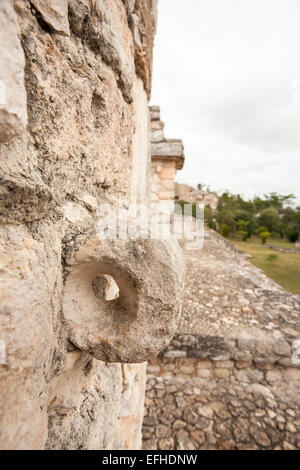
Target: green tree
x: 249, y: 219
x: 243, y: 234
x: 225, y: 230
x: 264, y: 236
x: 225, y: 216
x: 212, y: 225
x: 262, y: 229
x: 208, y: 214
x: 292, y: 235
x: 277, y: 201
x: 270, y: 218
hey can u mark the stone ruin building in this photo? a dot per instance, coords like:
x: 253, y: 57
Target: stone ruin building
x: 167, y: 157
x: 184, y: 192
x: 81, y: 316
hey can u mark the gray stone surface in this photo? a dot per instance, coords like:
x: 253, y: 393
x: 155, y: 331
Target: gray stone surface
x: 224, y: 412
x: 169, y: 148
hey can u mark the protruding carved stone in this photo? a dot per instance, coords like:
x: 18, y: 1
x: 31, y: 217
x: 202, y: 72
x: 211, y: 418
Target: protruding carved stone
x: 55, y: 14
x: 171, y: 148
x: 142, y: 320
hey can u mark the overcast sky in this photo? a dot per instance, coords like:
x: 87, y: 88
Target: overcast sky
x: 227, y: 78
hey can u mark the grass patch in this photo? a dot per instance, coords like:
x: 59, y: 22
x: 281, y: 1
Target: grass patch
x: 283, y: 269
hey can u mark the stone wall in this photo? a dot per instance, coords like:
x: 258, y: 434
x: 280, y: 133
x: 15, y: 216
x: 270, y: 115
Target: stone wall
x: 184, y: 192
x: 230, y: 379
x: 167, y: 159
x: 74, y: 134
x: 194, y: 404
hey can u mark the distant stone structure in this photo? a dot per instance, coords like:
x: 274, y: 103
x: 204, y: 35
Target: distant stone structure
x: 167, y: 157
x: 184, y: 192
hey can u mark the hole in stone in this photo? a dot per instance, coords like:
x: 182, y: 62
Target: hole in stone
x: 105, y: 287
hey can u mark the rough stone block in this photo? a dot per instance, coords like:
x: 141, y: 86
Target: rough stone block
x: 154, y: 113
x: 168, y: 174
x: 292, y: 374
x: 157, y: 125
x: 170, y: 148
x: 13, y: 106
x: 157, y: 136
x: 55, y: 14
x: 246, y: 344
x: 174, y: 354
x: 282, y: 349
x: 222, y: 373
x: 273, y: 376
x: 187, y: 369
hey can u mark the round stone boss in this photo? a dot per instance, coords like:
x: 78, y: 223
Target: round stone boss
x: 147, y: 277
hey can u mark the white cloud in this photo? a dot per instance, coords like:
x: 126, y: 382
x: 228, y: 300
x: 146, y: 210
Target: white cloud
x: 223, y: 76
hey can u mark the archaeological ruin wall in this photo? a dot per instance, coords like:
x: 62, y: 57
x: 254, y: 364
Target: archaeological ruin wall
x: 74, y: 134
x: 230, y: 379
x: 167, y: 157
x: 184, y: 192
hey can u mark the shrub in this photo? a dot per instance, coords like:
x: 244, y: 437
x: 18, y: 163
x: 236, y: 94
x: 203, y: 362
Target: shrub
x: 245, y: 221
x: 262, y: 229
x: 243, y: 228
x: 225, y: 230
x: 272, y: 258
x: 243, y: 234
x: 264, y: 236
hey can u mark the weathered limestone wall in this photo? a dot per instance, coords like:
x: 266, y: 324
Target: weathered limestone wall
x: 74, y: 133
x: 221, y: 404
